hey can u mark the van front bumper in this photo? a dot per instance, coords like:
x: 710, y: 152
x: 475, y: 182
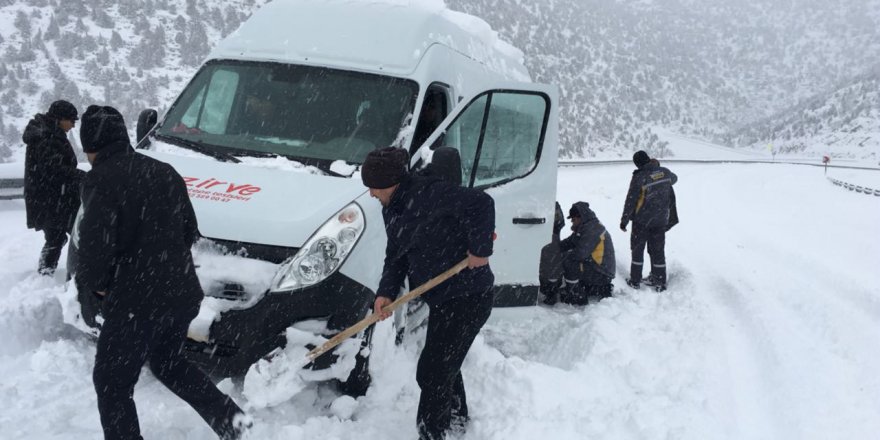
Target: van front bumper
x: 241, y: 337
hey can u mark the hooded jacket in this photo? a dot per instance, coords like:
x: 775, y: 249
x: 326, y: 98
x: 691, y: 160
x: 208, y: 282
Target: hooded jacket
x: 649, y: 197
x: 135, y: 235
x: 51, y: 178
x: 431, y: 225
x: 589, y: 251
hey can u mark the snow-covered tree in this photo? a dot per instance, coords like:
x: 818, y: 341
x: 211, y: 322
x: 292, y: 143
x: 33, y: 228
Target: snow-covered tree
x: 23, y: 24
x: 116, y: 42
x: 52, y: 31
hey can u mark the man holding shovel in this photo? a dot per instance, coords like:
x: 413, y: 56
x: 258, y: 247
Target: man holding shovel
x: 432, y: 225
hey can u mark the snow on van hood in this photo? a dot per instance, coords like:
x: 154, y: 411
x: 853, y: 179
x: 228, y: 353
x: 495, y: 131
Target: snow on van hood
x: 253, y: 204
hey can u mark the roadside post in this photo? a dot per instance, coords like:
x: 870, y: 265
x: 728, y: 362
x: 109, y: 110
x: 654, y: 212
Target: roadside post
x: 825, y: 160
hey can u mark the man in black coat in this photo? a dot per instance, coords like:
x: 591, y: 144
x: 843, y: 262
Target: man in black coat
x: 51, y: 179
x: 587, y: 257
x: 134, y: 245
x: 431, y: 225
x: 648, y: 206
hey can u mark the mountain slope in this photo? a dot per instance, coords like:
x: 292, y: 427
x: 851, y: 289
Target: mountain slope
x: 710, y: 68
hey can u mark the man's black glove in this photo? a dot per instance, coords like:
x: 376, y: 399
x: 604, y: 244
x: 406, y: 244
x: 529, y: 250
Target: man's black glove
x: 623, y: 226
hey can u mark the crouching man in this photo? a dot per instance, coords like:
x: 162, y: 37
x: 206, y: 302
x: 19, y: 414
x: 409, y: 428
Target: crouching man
x: 135, y: 237
x: 432, y: 225
x: 588, y: 257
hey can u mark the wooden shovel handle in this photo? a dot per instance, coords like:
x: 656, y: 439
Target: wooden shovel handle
x: 369, y: 320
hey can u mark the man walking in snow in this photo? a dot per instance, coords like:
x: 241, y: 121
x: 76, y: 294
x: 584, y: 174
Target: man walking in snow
x: 431, y: 225
x: 51, y: 180
x: 648, y: 207
x: 134, y: 245
x: 588, y: 257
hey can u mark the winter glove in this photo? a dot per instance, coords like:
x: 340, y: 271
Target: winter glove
x: 623, y: 226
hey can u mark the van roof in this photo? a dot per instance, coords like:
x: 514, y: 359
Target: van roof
x: 389, y: 36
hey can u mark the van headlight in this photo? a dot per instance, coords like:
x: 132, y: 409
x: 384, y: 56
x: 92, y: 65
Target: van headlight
x: 324, y: 252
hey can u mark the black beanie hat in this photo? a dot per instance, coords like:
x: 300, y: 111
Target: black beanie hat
x: 101, y: 126
x: 62, y: 109
x: 385, y: 167
x: 641, y: 158
x: 574, y: 211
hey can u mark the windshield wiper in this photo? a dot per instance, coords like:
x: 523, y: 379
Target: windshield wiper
x: 200, y: 147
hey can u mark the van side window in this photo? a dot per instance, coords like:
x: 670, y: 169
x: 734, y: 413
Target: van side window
x: 435, y: 107
x: 464, y: 136
x: 514, y: 132
x: 499, y: 136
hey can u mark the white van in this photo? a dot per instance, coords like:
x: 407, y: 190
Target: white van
x: 269, y: 135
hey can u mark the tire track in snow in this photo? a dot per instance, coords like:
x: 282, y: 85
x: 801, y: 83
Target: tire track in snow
x: 747, y: 354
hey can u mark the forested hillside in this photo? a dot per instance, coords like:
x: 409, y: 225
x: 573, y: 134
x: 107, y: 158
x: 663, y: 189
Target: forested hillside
x: 748, y: 73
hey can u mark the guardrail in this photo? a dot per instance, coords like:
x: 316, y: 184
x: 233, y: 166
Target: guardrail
x: 11, y: 189
x: 856, y: 188
x: 575, y: 163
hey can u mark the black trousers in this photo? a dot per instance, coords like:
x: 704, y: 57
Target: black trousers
x: 55, y: 240
x: 452, y: 328
x: 124, y: 345
x: 655, y: 238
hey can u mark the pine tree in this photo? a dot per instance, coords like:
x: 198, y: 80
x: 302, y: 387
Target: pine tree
x: 192, y: 9
x: 129, y: 8
x: 62, y: 15
x: 158, y: 41
x: 89, y: 45
x: 52, y: 32
x: 101, y: 18
x: 25, y: 52
x: 23, y: 24
x: 180, y: 29
x: 141, y: 26
x: 103, y: 57
x: 13, y: 108
x: 197, y: 47
x: 116, y: 42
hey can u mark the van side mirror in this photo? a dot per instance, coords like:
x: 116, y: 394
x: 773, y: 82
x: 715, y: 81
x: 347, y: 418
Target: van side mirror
x: 146, y: 121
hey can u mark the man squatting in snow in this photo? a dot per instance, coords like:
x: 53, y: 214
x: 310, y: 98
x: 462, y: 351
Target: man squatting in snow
x: 650, y: 205
x: 431, y: 225
x: 585, y: 260
x: 135, y: 237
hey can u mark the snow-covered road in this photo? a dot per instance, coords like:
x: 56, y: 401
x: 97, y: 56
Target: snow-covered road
x: 770, y: 330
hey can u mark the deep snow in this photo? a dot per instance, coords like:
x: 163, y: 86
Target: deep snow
x: 769, y: 330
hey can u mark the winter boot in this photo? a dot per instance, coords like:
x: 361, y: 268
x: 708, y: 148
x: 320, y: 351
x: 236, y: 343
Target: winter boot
x: 635, y: 274
x: 550, y: 290
x: 602, y: 291
x: 574, y: 294
x: 657, y: 279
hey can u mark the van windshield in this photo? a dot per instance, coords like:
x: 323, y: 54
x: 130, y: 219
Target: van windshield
x: 304, y: 113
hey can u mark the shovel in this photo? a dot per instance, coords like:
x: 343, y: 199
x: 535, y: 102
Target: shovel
x: 370, y: 320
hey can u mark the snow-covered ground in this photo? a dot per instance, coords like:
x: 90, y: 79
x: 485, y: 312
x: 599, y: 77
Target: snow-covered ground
x: 769, y: 330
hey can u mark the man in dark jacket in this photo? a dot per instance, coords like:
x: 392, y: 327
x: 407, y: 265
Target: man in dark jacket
x: 134, y: 251
x: 588, y: 257
x: 431, y: 225
x: 51, y: 179
x: 647, y: 206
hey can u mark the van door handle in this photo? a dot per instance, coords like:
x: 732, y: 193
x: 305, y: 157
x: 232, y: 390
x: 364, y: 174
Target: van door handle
x: 529, y: 220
